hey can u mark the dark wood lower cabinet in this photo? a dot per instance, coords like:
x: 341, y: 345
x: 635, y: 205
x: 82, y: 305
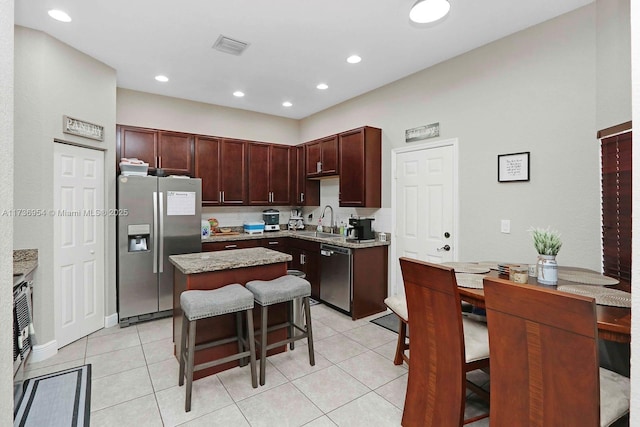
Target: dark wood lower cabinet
x: 370, y: 271
x: 306, y: 258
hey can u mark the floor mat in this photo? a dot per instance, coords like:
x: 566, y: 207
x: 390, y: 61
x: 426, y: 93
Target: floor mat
x: 389, y: 321
x: 58, y: 399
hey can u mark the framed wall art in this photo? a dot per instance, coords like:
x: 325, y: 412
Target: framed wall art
x: 513, y: 167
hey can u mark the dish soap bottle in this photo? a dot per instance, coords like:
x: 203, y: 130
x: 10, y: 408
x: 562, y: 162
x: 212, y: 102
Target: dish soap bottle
x: 319, y: 225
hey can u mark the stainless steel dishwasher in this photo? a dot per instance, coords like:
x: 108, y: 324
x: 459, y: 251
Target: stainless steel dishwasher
x: 335, y: 276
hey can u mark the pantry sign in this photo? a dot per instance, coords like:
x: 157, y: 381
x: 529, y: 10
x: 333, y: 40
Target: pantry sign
x: 81, y: 128
x: 422, y: 132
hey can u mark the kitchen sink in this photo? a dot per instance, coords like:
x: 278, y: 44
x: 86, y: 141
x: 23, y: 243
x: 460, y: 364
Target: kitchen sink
x: 319, y: 234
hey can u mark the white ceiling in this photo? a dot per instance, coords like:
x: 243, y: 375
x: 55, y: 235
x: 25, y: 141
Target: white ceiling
x: 294, y: 44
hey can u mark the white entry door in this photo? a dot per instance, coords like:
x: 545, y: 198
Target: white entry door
x: 79, y: 242
x: 424, y: 208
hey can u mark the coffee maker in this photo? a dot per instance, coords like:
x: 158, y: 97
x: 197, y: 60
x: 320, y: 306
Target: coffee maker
x: 360, y: 229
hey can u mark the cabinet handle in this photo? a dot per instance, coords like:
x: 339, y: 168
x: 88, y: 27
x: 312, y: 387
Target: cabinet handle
x: 230, y: 246
x: 318, y: 167
x: 273, y: 243
x: 222, y: 192
x: 303, y: 259
x: 302, y: 197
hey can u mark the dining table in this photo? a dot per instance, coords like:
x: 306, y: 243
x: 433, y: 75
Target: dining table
x: 614, y: 320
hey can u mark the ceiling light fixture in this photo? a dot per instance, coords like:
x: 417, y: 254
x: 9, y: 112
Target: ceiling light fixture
x: 59, y: 15
x: 354, y: 59
x: 427, y: 11
x: 238, y: 94
x: 322, y: 86
x: 162, y: 78
x: 287, y: 104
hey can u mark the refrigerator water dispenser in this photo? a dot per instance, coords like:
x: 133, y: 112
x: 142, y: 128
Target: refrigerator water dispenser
x: 138, y: 236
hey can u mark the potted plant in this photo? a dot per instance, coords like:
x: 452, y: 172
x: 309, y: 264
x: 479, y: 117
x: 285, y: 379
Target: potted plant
x: 547, y: 242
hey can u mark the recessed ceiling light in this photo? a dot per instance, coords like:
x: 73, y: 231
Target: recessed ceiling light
x: 354, y: 59
x: 238, y: 94
x: 322, y: 86
x: 287, y: 104
x: 162, y: 78
x: 59, y: 15
x: 427, y: 11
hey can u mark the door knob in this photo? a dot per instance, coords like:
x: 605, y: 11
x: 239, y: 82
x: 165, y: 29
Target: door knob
x: 92, y: 252
x: 445, y: 248
x: 447, y: 235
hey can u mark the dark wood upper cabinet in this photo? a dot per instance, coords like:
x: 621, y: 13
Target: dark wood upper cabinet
x: 137, y: 143
x: 269, y: 180
x: 220, y: 163
x: 361, y: 167
x: 322, y: 157
x: 175, y: 153
x: 304, y: 192
x: 171, y: 151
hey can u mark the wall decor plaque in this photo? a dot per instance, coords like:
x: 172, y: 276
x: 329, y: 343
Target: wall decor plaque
x: 81, y: 128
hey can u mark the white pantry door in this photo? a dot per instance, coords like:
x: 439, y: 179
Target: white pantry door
x: 424, y: 207
x: 78, y: 242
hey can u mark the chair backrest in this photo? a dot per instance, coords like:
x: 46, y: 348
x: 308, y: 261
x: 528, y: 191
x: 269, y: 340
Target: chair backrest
x: 544, y: 356
x: 436, y: 387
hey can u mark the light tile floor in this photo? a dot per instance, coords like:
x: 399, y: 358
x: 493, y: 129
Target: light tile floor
x: 353, y: 383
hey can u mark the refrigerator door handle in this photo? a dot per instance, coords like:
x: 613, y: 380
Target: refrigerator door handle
x: 161, y: 244
x: 155, y: 232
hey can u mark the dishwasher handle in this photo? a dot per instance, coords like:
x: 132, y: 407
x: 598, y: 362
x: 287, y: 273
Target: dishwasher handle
x: 328, y: 250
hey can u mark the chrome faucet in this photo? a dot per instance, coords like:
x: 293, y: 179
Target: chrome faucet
x: 323, y: 212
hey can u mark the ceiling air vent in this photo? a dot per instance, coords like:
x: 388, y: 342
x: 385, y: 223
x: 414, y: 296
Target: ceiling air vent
x: 229, y: 45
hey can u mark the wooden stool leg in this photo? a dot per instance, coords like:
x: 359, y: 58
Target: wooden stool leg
x: 239, y: 334
x: 402, y: 337
x: 183, y: 349
x: 263, y: 344
x: 307, y: 315
x: 252, y: 348
x: 290, y: 329
x: 190, y: 359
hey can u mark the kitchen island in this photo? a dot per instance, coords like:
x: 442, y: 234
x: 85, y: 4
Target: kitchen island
x: 212, y: 270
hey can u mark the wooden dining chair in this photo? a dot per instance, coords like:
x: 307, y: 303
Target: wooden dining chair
x: 444, y: 347
x: 398, y: 304
x: 544, y: 359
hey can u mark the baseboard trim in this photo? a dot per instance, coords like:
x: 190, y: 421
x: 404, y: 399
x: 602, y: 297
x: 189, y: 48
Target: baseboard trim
x: 44, y: 351
x: 111, y: 321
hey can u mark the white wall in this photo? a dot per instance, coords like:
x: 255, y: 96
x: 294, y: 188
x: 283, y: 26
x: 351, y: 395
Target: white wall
x: 52, y: 80
x: 162, y: 112
x: 6, y: 202
x: 533, y: 91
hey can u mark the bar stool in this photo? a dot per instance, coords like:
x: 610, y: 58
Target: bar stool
x: 197, y: 305
x: 283, y: 289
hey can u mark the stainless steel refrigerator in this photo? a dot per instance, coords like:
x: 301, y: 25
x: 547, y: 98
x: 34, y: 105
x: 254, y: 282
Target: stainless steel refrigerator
x: 158, y: 217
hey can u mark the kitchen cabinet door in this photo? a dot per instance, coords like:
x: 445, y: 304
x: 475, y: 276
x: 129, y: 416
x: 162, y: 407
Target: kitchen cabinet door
x: 207, y: 159
x: 233, y: 174
x: 360, y: 152
x: 258, y: 169
x: 279, y: 182
x: 175, y: 153
x: 370, y: 270
x: 322, y: 157
x: 306, y: 258
x: 137, y: 143
x: 304, y: 192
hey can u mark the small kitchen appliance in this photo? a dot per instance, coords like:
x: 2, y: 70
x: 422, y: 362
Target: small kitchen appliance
x: 360, y: 229
x: 255, y: 227
x: 271, y: 219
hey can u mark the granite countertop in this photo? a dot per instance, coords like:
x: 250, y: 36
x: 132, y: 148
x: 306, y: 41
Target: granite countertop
x: 334, y: 240
x: 226, y: 260
x: 24, y: 261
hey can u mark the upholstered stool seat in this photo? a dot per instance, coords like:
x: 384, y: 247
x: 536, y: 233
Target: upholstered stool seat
x: 197, y: 305
x: 282, y: 289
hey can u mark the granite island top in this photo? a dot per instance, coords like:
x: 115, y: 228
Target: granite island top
x: 204, y: 262
x: 24, y: 261
x: 336, y: 240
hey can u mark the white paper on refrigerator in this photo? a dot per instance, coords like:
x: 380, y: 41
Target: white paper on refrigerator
x: 181, y: 203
